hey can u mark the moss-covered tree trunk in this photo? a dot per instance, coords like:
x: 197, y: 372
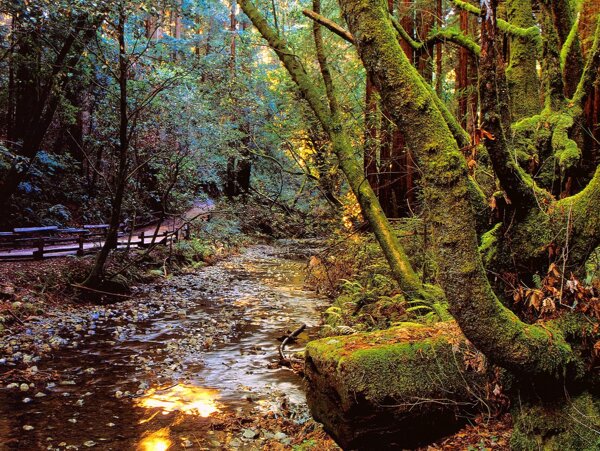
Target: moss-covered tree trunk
x: 351, y: 166
x: 493, y: 329
x: 521, y: 74
x: 570, y: 223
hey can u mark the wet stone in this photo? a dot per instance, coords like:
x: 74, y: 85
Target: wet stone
x: 250, y: 434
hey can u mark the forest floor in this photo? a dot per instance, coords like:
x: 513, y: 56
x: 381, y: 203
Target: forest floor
x: 216, y: 328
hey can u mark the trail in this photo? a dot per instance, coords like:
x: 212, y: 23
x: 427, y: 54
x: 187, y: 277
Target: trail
x: 171, y: 224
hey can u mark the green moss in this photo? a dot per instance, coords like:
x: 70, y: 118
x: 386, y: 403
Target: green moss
x: 584, y: 86
x: 568, y: 44
x: 565, y: 424
x: 558, y: 349
x: 402, y: 364
x: 533, y: 235
x: 546, y: 138
x: 521, y: 73
x: 455, y: 35
x: 481, y: 208
x: 566, y: 150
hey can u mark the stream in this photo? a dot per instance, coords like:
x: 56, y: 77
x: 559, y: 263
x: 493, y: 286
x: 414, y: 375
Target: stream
x: 155, y: 372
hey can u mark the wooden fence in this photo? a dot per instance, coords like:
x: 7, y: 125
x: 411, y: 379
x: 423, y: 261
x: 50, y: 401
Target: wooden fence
x: 25, y: 243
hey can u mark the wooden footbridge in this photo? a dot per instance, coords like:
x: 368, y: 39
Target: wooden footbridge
x: 26, y: 243
x: 37, y: 243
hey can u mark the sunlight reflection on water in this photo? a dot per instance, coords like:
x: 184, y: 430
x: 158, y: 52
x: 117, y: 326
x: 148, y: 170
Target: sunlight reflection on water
x: 188, y: 399
x: 157, y: 441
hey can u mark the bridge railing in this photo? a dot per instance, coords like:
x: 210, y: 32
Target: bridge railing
x: 39, y: 242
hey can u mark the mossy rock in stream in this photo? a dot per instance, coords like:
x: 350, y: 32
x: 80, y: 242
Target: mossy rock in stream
x: 396, y: 388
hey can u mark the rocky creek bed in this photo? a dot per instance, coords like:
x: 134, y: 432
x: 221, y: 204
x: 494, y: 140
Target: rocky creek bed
x: 186, y: 363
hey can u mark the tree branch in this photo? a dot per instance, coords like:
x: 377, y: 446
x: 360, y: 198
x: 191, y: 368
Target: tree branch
x: 455, y: 36
x: 506, y: 27
x: 329, y: 24
x: 590, y: 72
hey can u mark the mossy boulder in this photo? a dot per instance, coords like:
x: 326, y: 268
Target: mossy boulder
x: 397, y: 388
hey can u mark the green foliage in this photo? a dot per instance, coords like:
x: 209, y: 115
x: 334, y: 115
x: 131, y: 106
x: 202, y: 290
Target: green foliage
x: 376, y: 305
x: 592, y: 268
x: 43, y: 194
x: 193, y: 250
x: 191, y: 113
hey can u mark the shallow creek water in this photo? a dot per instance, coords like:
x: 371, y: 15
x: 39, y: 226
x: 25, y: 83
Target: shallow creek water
x: 200, y: 344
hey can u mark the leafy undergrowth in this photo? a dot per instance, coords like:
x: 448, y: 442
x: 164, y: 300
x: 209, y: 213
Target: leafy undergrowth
x: 354, y: 273
x: 555, y: 293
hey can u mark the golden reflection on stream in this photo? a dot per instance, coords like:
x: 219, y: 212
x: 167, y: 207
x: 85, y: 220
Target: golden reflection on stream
x: 157, y: 441
x: 187, y: 399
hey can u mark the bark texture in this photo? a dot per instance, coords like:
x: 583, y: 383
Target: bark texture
x: 490, y: 326
x: 351, y: 167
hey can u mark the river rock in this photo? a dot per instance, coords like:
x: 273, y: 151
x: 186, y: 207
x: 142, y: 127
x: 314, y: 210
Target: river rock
x: 385, y: 387
x: 250, y: 434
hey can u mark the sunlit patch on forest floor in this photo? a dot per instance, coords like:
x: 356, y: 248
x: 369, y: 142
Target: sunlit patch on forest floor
x: 187, y: 399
